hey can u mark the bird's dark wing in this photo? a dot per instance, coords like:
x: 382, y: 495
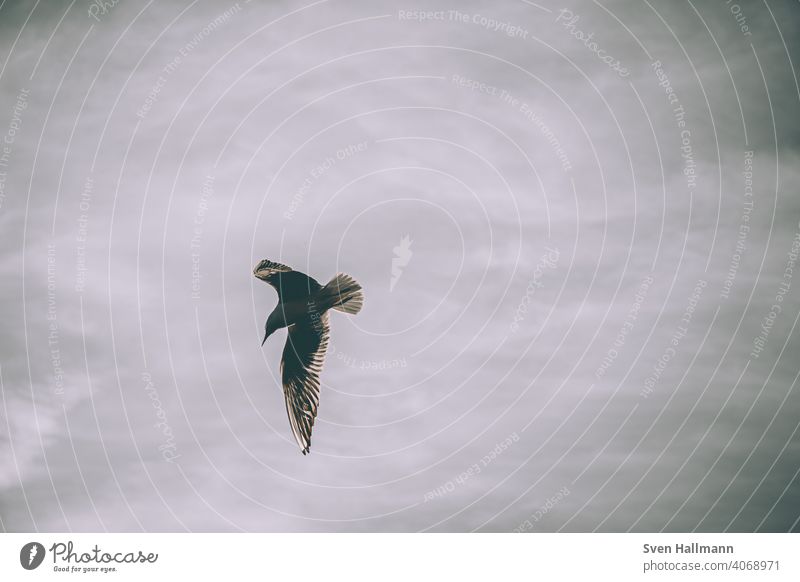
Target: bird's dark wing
x: 289, y: 284
x: 302, y: 360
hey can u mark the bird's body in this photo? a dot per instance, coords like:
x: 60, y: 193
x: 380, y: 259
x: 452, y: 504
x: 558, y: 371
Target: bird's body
x: 287, y: 313
x: 303, y: 306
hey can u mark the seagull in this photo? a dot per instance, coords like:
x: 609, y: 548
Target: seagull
x: 303, y: 306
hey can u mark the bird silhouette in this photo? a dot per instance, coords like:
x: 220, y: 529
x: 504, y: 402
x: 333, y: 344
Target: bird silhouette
x: 303, y: 306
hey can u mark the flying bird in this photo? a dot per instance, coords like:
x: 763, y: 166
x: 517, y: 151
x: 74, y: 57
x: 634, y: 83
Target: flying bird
x: 303, y: 306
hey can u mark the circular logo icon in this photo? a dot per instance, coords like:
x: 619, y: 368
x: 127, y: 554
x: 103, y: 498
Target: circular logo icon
x: 31, y: 555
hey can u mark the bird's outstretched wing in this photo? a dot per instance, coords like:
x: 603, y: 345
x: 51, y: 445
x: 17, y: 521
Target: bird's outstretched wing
x: 289, y: 284
x: 302, y: 360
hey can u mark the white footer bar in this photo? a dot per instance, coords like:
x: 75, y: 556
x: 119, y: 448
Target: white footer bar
x: 390, y: 557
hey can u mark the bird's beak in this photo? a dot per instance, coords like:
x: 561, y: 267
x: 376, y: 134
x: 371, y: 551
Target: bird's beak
x: 266, y: 335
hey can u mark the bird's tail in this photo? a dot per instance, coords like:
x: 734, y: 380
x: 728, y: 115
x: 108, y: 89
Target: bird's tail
x: 342, y: 293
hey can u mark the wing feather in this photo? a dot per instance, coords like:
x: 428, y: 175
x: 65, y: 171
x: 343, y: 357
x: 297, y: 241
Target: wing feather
x: 301, y: 365
x: 289, y: 284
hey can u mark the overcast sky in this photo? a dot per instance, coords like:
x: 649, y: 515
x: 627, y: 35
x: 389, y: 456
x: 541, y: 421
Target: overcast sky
x: 575, y: 225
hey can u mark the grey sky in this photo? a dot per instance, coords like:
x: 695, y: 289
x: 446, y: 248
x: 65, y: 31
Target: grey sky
x: 157, y: 151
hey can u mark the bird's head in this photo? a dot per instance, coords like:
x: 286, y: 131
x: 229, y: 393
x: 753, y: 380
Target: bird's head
x: 267, y: 332
x: 270, y: 328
